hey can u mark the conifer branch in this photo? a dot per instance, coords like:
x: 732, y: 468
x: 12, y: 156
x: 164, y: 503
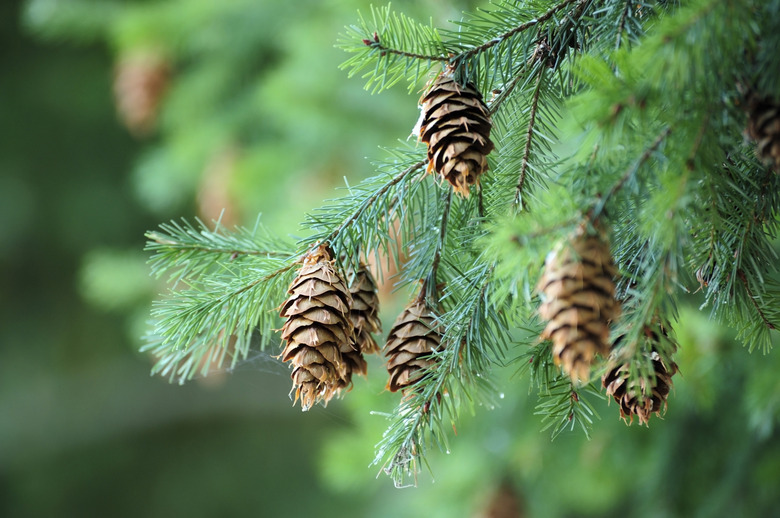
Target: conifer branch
x: 393, y: 62
x: 349, y: 221
x: 622, y: 23
x: 173, y: 245
x: 381, y: 45
x: 596, y: 210
x: 364, y: 207
x: 469, y: 54
x: 420, y: 418
x: 219, y: 309
x: 519, y: 200
x: 744, y: 281
x: 192, y: 252
x: 375, y: 43
x: 665, y: 207
x: 431, y: 279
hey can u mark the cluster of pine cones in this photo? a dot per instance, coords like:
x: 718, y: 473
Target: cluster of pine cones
x: 329, y: 325
x: 579, y: 305
x: 329, y: 321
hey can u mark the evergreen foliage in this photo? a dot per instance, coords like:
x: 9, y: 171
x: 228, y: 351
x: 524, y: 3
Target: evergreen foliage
x: 616, y: 114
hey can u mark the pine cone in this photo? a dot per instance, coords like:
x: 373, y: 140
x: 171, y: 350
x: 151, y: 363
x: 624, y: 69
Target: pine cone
x: 636, y: 398
x: 579, y: 303
x: 140, y: 82
x: 410, y: 343
x: 505, y: 502
x: 764, y: 127
x: 365, y: 309
x: 318, y: 330
x: 455, y: 123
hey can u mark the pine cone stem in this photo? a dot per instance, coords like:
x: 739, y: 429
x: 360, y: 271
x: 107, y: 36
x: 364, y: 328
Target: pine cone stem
x: 519, y: 200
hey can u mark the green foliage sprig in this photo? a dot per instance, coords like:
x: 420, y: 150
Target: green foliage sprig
x: 611, y: 114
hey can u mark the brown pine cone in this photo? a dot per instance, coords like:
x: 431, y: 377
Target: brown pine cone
x: 637, y: 398
x: 578, y: 293
x: 365, y: 310
x: 455, y: 123
x: 140, y: 81
x: 410, y: 343
x: 318, y: 330
x: 764, y: 128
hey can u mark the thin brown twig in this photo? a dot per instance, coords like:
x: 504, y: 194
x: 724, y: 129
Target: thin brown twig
x: 398, y: 52
x: 520, y: 28
x: 596, y: 209
x: 430, y: 281
x: 499, y: 100
x: 528, y: 138
x: 760, y: 312
x: 355, y: 215
x: 375, y: 43
x: 179, y: 246
x: 344, y: 225
x: 622, y: 24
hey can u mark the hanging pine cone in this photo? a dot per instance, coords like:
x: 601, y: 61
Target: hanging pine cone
x: 365, y: 310
x: 318, y: 330
x: 578, y: 294
x: 140, y: 81
x: 455, y: 123
x: 506, y: 502
x: 410, y: 343
x: 764, y: 127
x: 636, y: 398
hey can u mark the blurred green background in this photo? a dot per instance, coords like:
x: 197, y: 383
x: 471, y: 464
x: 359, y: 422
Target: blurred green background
x: 253, y: 116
